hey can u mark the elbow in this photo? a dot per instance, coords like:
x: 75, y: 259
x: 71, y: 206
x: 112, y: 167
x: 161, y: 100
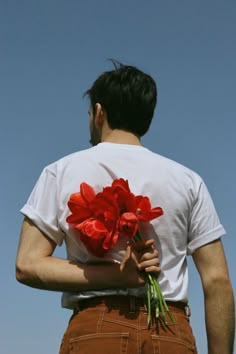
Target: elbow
x: 217, y: 283
x: 23, y: 273
x: 20, y: 273
x: 28, y: 273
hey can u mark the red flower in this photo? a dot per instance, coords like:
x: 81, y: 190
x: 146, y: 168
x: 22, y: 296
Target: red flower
x: 101, y: 218
x: 128, y: 224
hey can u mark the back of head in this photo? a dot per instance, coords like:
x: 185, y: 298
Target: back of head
x: 128, y: 96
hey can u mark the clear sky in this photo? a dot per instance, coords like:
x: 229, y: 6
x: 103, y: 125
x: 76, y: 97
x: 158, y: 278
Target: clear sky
x: 50, y: 53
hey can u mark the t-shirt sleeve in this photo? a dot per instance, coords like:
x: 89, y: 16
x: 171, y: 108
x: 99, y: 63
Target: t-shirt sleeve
x: 42, y: 206
x: 204, y: 224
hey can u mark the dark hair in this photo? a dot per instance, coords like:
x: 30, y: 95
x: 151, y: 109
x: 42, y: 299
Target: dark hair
x: 128, y: 96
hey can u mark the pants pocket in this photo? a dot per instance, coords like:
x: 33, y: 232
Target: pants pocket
x: 167, y: 345
x: 100, y: 343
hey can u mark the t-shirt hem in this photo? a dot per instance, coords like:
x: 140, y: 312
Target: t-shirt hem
x: 43, y: 226
x: 205, y: 239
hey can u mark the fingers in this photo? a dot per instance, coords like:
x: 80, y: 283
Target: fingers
x: 142, y: 246
x: 149, y: 255
x: 148, y: 260
x: 146, y: 251
x: 150, y: 267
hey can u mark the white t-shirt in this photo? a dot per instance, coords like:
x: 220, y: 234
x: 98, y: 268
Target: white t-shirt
x: 189, y: 221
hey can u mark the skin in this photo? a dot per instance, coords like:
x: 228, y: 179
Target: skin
x: 218, y: 297
x: 36, y: 266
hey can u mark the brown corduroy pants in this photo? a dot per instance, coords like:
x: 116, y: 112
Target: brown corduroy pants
x: 118, y: 325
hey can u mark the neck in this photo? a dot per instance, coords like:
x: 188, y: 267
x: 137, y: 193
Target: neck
x: 117, y: 136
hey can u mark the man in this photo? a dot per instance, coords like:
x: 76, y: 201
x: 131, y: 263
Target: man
x: 108, y: 294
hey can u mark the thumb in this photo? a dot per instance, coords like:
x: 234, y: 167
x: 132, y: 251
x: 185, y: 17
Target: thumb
x: 126, y: 257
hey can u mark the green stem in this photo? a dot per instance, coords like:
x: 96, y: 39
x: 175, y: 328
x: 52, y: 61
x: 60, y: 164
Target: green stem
x: 155, y: 299
x: 148, y: 302
x: 138, y: 237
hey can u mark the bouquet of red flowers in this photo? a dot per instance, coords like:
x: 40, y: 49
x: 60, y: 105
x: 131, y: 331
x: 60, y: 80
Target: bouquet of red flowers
x: 104, y: 217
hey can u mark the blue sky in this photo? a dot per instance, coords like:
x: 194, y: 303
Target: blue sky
x: 51, y: 52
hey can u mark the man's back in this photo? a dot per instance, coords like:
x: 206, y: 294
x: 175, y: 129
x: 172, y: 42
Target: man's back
x: 173, y: 187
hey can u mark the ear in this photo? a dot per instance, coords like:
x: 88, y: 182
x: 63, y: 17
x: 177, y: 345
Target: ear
x: 100, y: 115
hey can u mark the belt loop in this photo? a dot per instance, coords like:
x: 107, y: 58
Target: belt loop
x: 187, y: 311
x: 76, y: 309
x: 131, y: 304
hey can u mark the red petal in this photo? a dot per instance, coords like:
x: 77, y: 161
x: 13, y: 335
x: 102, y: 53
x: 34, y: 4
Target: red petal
x: 120, y: 184
x: 143, y: 203
x: 93, y: 228
x: 104, y: 207
x: 76, y: 201
x: 93, y: 233
x: 110, y: 240
x: 81, y: 215
x: 94, y: 246
x: 128, y: 224
x: 156, y: 212
x: 87, y: 192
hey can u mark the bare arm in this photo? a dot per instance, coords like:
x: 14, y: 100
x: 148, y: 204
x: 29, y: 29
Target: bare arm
x: 36, y: 267
x: 218, y: 296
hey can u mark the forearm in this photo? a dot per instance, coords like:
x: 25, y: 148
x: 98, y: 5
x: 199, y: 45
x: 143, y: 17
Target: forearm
x: 50, y: 273
x: 36, y: 266
x: 219, y: 313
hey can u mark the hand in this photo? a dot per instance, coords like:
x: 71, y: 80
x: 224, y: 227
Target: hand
x: 148, y: 260
x: 140, y: 257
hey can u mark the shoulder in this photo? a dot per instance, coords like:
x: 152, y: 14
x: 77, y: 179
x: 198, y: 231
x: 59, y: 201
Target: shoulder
x: 59, y: 165
x: 176, y: 171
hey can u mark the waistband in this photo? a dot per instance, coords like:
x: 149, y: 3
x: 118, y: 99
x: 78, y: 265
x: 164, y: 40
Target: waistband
x: 131, y: 303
